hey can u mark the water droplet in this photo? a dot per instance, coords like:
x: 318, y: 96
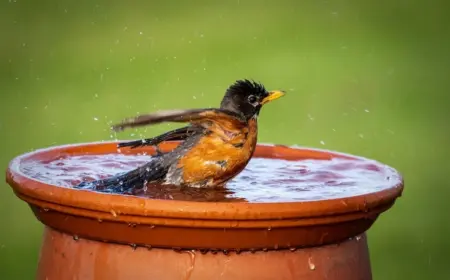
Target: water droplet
x: 134, y: 246
x: 322, y: 142
x: 76, y: 238
x: 366, y: 110
x: 95, y: 119
x: 113, y: 213
x: 312, y: 266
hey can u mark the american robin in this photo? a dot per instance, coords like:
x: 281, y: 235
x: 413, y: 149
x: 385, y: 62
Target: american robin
x: 216, y: 145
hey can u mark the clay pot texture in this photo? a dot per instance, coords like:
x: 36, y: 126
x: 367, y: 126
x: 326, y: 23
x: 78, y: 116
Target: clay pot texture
x: 90, y: 235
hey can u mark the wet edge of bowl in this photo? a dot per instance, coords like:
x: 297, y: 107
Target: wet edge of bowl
x: 27, y: 187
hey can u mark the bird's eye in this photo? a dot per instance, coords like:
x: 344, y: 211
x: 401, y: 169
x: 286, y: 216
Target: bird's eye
x: 252, y: 99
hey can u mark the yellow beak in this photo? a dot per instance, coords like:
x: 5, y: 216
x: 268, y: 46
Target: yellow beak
x: 275, y: 94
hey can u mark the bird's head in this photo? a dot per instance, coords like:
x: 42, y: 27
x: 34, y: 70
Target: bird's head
x: 246, y: 98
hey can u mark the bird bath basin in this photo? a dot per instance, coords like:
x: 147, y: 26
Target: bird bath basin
x: 310, y: 233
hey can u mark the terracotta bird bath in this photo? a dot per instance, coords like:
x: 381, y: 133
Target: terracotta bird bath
x: 92, y: 235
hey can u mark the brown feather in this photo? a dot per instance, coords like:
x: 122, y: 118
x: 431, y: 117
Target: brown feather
x: 217, y: 159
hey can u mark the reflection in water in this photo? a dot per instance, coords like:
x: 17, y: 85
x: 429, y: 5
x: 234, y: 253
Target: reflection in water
x: 263, y: 180
x: 189, y: 194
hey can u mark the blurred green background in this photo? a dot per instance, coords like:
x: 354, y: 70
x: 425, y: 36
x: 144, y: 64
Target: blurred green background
x: 364, y: 77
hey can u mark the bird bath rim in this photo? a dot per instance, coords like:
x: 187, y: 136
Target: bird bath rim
x: 24, y: 185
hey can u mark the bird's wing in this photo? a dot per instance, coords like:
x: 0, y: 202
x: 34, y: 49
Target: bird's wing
x: 178, y: 134
x: 211, y: 119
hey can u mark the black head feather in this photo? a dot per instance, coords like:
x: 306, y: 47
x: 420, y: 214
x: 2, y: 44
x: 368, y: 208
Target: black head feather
x: 244, y: 97
x: 246, y: 87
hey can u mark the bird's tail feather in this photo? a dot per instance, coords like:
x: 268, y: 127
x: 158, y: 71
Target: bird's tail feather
x: 128, y: 181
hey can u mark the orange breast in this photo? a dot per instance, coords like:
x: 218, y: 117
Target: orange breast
x: 219, y: 156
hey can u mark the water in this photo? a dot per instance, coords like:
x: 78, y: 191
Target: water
x: 263, y: 180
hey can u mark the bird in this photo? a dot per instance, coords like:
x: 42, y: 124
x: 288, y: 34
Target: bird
x: 215, y: 146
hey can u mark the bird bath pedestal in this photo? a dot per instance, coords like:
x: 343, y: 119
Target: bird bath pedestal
x: 90, y: 235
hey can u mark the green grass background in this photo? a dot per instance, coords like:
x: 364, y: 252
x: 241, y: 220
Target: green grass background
x: 365, y: 77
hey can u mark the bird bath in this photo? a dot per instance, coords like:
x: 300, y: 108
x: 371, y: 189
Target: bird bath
x: 317, y: 234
